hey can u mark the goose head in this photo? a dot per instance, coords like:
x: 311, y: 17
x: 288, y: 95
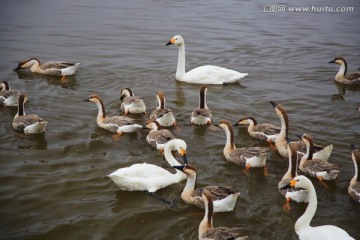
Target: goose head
x: 245, y: 120
x: 22, y: 99
x: 126, y: 92
x: 93, y: 98
x: 338, y: 60
x: 177, y: 40
x: 153, y: 125
x: 4, y: 85
x: 27, y: 63
x: 188, y: 169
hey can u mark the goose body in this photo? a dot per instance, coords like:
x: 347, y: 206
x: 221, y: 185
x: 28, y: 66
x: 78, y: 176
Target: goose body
x: 201, y: 115
x: 224, y: 197
x: 131, y: 103
x: 313, y: 167
x: 354, y: 187
x: 281, y: 142
x: 302, y: 225
x: 263, y: 131
x: 298, y: 195
x: 206, y: 229
x: 204, y: 74
x: 30, y: 124
x: 158, y: 137
x: 59, y: 68
x: 161, y: 114
x: 149, y: 177
x: 8, y: 97
x: 115, y: 124
x: 246, y: 156
x: 342, y: 76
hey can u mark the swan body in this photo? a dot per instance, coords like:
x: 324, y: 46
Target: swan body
x: 115, y: 124
x: 8, y: 97
x: 206, y: 229
x: 302, y: 225
x: 149, y: 177
x: 131, y: 103
x: 281, y: 142
x: 161, y: 114
x: 298, y: 195
x: 30, y: 124
x: 58, y: 68
x: 157, y: 138
x: 263, y: 131
x: 354, y: 187
x: 201, y: 115
x: 224, y: 197
x: 318, y: 168
x: 246, y: 156
x: 204, y: 74
x: 342, y: 76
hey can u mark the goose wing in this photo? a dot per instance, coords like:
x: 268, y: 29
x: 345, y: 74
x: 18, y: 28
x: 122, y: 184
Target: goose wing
x: 158, y: 113
x: 119, y: 121
x: 201, y: 112
x: 223, y: 233
x: 353, y: 76
x: 267, y: 129
x: 317, y: 165
x: 56, y: 65
x: 21, y: 122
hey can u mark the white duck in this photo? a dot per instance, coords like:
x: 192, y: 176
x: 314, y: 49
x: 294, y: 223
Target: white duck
x: 30, y: 124
x: 201, y: 115
x: 342, y: 76
x: 246, y: 157
x: 224, y: 197
x: 131, y: 103
x: 8, y: 97
x: 281, y: 139
x: 206, y: 229
x: 298, y: 195
x: 302, y: 225
x: 115, y: 124
x: 149, y: 177
x: 204, y: 74
x: 59, y: 68
x: 161, y: 114
x: 354, y: 187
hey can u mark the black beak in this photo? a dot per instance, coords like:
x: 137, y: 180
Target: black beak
x: 274, y: 104
x: 181, y: 168
x: 299, y: 136
x: 17, y: 68
x: 287, y: 186
x: 86, y: 100
x: 236, y: 124
x: 353, y: 147
x: 184, y: 158
x: 169, y: 43
x: 332, y: 61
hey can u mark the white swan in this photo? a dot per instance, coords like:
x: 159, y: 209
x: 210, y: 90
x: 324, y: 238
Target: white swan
x: 149, y: 177
x: 302, y: 225
x: 204, y: 74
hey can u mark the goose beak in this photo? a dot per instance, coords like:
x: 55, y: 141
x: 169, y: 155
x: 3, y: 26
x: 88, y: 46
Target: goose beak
x: 86, y: 100
x: 353, y: 147
x: 236, y: 124
x: 332, y: 61
x: 274, y: 104
x: 181, y: 168
x: 299, y: 136
x: 17, y: 68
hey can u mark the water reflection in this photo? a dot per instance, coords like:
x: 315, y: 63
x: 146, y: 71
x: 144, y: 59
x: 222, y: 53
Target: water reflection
x: 340, y: 96
x: 32, y: 141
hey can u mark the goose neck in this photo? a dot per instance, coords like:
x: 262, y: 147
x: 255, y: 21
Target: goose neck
x: 189, y: 187
x: 101, y: 111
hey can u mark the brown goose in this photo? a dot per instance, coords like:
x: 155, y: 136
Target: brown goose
x: 264, y: 131
x: 58, y: 68
x: 131, y: 103
x: 30, y: 124
x: 224, y: 198
x: 202, y: 115
x: 162, y: 115
x: 342, y: 76
x: 8, y: 97
x: 158, y: 137
x: 354, y: 187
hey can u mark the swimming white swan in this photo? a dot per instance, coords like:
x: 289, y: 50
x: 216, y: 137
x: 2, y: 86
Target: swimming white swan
x: 149, y: 177
x: 204, y: 74
x: 302, y: 225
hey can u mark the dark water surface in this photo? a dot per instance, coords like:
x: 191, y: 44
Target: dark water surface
x: 54, y: 186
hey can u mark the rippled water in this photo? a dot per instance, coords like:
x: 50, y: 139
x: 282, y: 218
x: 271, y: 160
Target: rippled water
x: 54, y: 186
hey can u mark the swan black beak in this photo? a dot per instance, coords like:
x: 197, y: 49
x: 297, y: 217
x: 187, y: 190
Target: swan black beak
x: 181, y: 168
x: 184, y: 158
x: 169, y: 43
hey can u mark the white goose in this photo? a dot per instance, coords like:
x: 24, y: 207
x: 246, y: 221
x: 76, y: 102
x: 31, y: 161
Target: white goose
x: 314, y: 167
x: 298, y: 195
x: 58, y: 68
x: 352, y: 78
x: 8, y: 97
x: 354, y: 187
x: 302, y: 225
x: 204, y: 74
x: 131, y: 103
x: 224, y: 197
x: 206, y: 229
x: 115, y: 124
x: 157, y: 138
x: 281, y: 139
x: 149, y: 177
x: 30, y: 124
x: 201, y: 115
x: 161, y: 114
x: 246, y: 156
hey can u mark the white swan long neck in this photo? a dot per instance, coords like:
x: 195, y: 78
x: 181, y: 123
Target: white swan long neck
x: 305, y: 219
x: 168, y: 155
x: 180, y: 70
